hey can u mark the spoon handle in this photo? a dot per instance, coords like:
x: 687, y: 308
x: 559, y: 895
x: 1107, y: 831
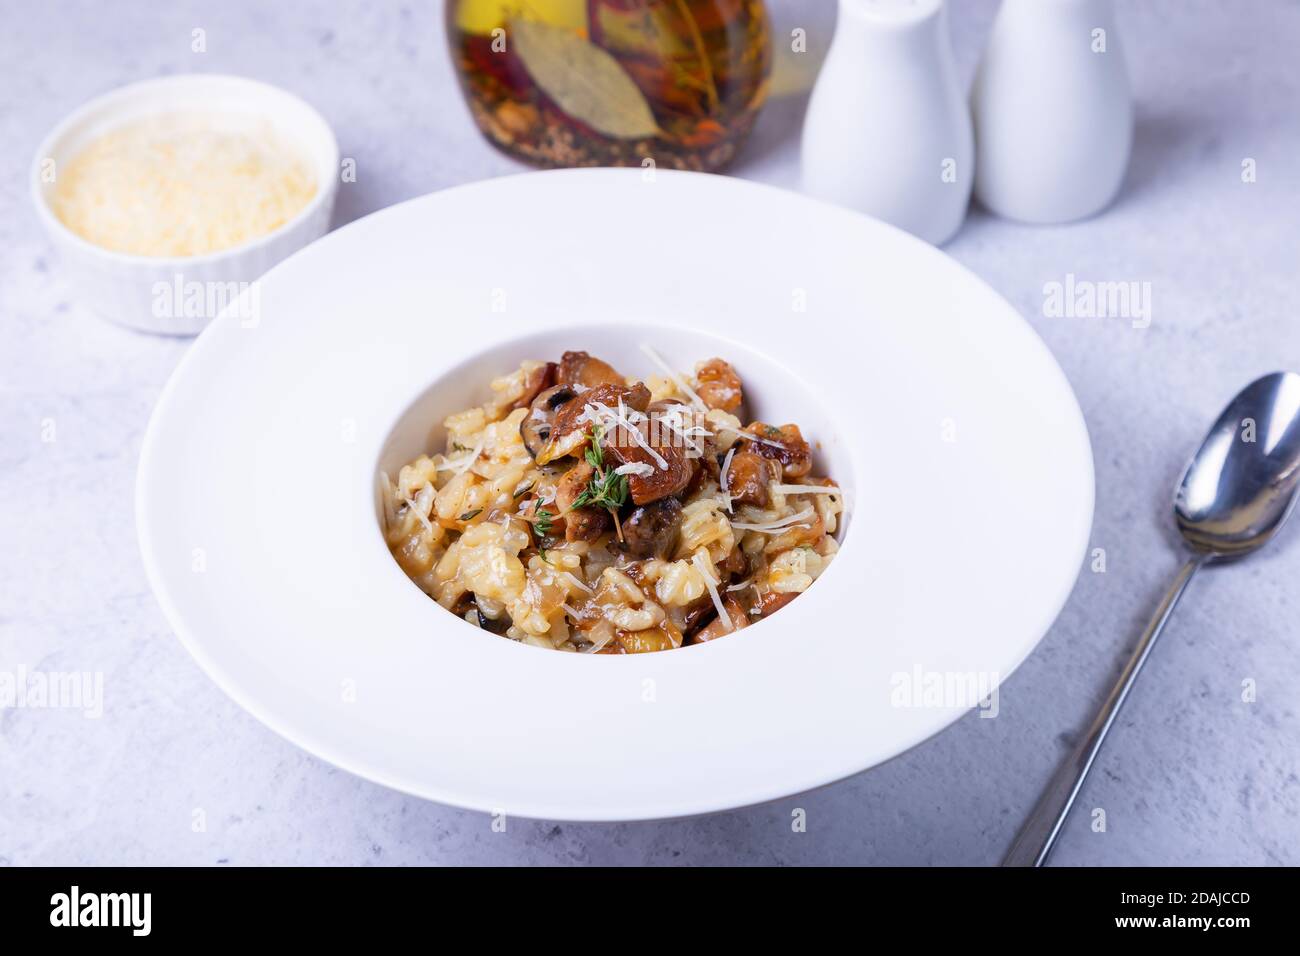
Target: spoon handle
x: 1041, y: 829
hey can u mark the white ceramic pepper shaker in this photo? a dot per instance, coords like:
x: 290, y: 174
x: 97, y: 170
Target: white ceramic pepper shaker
x: 888, y: 130
x: 1053, y: 112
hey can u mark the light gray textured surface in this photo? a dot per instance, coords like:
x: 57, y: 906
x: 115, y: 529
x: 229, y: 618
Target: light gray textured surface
x: 1191, y: 774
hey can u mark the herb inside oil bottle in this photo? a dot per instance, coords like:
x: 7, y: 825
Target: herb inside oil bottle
x: 613, y: 82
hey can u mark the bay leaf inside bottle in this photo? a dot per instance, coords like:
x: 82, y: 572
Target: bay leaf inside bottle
x: 583, y: 80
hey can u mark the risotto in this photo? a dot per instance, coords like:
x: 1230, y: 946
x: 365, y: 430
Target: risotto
x: 583, y: 510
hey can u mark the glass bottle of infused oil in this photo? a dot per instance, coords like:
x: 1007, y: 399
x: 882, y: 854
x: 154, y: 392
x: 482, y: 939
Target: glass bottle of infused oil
x: 613, y: 82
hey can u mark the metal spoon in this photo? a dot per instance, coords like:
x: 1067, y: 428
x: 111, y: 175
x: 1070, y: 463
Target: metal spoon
x: 1235, y: 494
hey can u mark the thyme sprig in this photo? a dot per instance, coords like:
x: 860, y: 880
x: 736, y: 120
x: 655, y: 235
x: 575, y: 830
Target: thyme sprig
x: 607, y: 488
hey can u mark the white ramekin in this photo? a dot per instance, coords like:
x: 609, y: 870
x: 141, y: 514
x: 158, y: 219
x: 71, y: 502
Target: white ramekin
x: 128, y: 289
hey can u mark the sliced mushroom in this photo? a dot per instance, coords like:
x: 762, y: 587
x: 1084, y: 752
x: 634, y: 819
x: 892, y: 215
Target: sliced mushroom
x: 540, y: 378
x: 653, y: 480
x: 748, y: 477
x: 773, y: 601
x: 579, y: 368
x: 719, y: 385
x: 664, y: 404
x: 785, y: 445
x: 568, y: 436
x: 650, y: 531
x: 664, y: 636
x: 735, y: 563
x: 696, y: 614
x: 736, y: 613
x: 538, y: 424
x: 585, y: 523
x: 670, y: 421
x: 661, y: 481
x: 635, y: 397
x: 497, y: 626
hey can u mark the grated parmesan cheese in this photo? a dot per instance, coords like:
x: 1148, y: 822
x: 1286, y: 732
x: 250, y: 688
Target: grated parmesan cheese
x: 808, y: 489
x: 781, y: 524
x: 421, y: 514
x: 750, y: 436
x: 725, y: 479
x: 465, y: 464
x: 573, y: 578
x: 701, y: 561
x: 181, y: 184
x: 635, y: 468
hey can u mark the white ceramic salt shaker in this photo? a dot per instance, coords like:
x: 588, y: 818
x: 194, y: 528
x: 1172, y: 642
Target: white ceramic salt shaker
x: 1053, y: 112
x: 888, y: 130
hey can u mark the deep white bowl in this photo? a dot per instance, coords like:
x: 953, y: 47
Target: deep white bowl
x: 961, y: 448
x: 125, y: 288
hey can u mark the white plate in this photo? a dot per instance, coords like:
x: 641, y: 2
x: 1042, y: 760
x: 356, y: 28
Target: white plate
x: 957, y: 438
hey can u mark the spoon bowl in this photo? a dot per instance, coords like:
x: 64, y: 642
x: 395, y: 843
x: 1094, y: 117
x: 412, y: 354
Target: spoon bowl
x: 1240, y: 486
